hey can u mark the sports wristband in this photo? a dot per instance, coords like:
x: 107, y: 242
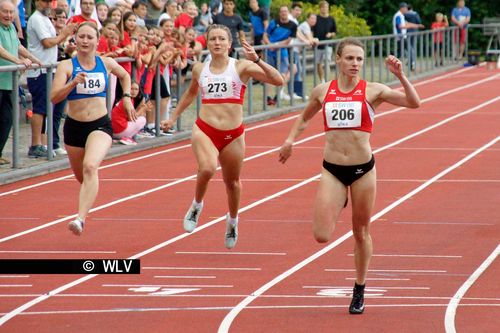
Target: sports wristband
x: 127, y: 95
x: 256, y: 61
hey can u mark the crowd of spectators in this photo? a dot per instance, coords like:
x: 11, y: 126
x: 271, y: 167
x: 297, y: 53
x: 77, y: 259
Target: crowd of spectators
x: 170, y: 35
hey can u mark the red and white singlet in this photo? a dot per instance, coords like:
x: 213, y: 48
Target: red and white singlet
x: 221, y: 88
x: 347, y: 110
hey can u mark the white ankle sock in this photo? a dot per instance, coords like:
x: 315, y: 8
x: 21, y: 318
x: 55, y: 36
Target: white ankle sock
x: 197, y: 204
x: 233, y: 221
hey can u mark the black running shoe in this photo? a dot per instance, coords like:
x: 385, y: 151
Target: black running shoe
x: 358, y: 302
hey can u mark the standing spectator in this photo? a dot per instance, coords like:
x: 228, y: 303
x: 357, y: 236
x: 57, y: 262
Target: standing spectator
x: 20, y: 22
x: 102, y: 11
x: 460, y: 16
x: 297, y: 68
x: 186, y: 19
x: 42, y: 42
x: 325, y: 28
x: 266, y: 6
x: 11, y: 52
x: 400, y: 27
x: 64, y: 5
x: 115, y: 14
x: 280, y: 33
x: 170, y: 12
x: 66, y: 48
x: 205, y: 18
x: 412, y: 16
x: 440, y: 23
x: 259, y: 20
x: 87, y: 7
x: 155, y: 7
x: 140, y: 10
x: 234, y: 22
x: 305, y: 35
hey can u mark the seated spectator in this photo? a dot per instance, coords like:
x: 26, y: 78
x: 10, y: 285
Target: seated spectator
x: 123, y: 128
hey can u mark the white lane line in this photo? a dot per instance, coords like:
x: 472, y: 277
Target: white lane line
x: 228, y: 319
x: 411, y: 256
x: 451, y: 309
x: 249, y: 129
x: 15, y: 285
x: 380, y: 279
x: 57, y: 252
x: 13, y: 276
x: 387, y: 270
x: 184, y: 277
x: 225, y: 308
x: 205, y: 268
x: 140, y: 194
x: 350, y: 287
x: 37, y: 300
x: 171, y: 285
x: 236, y: 253
x: 444, y: 223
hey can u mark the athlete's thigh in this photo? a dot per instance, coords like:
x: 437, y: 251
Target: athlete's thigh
x: 96, y: 147
x: 231, y: 158
x: 203, y: 149
x: 330, y: 200
x: 363, y: 192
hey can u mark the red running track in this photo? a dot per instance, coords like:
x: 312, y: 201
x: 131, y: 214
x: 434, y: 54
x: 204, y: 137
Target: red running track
x: 435, y: 230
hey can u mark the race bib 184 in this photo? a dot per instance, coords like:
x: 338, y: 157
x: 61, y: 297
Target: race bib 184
x: 94, y: 84
x: 343, y: 114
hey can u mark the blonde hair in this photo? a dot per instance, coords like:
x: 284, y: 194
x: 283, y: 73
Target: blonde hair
x: 88, y: 24
x: 348, y: 41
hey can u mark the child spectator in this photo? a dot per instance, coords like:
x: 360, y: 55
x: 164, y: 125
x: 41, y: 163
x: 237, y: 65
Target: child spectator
x: 123, y: 128
x: 102, y: 11
x: 170, y: 11
x: 186, y: 18
x: 440, y: 23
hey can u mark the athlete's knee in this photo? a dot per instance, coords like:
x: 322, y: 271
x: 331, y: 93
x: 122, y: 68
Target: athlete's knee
x: 321, y: 235
x: 232, y: 184
x: 206, y: 171
x: 89, y: 168
x: 361, y: 234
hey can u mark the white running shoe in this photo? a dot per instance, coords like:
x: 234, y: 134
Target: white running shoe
x: 284, y: 96
x: 191, y: 218
x: 76, y: 226
x: 231, y: 234
x: 295, y: 96
x: 60, y: 151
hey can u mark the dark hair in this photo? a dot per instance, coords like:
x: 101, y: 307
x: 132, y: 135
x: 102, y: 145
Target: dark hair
x: 296, y: 4
x: 348, y: 41
x: 140, y: 95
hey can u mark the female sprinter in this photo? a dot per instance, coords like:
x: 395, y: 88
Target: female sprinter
x: 82, y: 80
x: 348, y: 105
x: 218, y: 132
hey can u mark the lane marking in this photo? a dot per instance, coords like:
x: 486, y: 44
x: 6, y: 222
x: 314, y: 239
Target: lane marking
x: 171, y: 285
x: 205, y: 268
x: 411, y: 256
x: 255, y: 127
x: 387, y: 270
x: 262, y: 307
x: 58, y: 252
x: 184, y: 277
x: 15, y: 285
x: 235, y: 253
x: 14, y: 276
x: 228, y: 319
x: 389, y: 288
x: 445, y: 223
x: 380, y: 279
x: 451, y: 309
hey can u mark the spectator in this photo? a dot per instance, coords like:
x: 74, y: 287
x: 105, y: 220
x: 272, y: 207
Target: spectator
x: 141, y: 12
x: 102, y: 11
x: 64, y: 5
x: 66, y: 48
x: 186, y: 19
x: 412, y: 16
x: 87, y: 7
x: 305, y: 35
x: 42, y: 43
x: 155, y: 7
x: 279, y: 33
x: 20, y: 22
x: 234, y: 22
x: 460, y: 16
x: 324, y: 29
x: 440, y: 23
x: 205, y: 18
x: 170, y: 12
x: 108, y: 29
x: 11, y: 52
x: 115, y: 14
x: 259, y: 20
x: 400, y: 27
x: 124, y: 128
x: 130, y: 25
x: 297, y: 69
x: 266, y: 6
